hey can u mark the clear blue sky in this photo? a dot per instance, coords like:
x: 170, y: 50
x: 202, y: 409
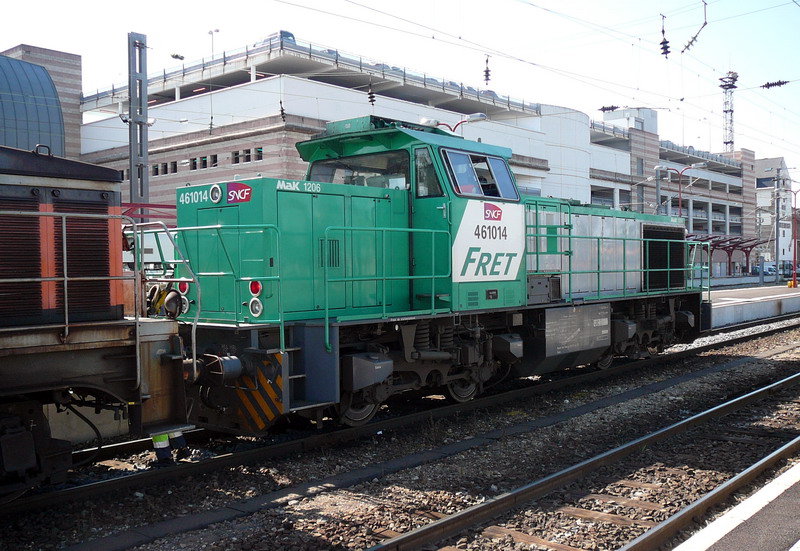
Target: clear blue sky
x: 582, y: 54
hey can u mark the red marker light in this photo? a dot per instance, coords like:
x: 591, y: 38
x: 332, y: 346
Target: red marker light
x: 183, y: 287
x: 255, y: 288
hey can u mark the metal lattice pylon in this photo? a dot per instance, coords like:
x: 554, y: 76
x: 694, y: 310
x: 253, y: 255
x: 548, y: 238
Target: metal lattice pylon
x: 728, y: 86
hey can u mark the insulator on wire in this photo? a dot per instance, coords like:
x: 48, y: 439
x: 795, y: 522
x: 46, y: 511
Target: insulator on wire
x: 774, y: 84
x: 283, y: 112
x: 371, y: 96
x: 487, y: 72
x: 665, y: 47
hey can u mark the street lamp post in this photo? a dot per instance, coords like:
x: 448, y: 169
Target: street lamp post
x: 794, y: 193
x: 211, y: 34
x: 778, y: 189
x: 680, y: 187
x: 211, y: 86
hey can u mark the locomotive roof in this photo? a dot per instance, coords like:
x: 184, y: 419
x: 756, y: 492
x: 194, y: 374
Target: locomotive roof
x: 366, y: 128
x: 35, y: 163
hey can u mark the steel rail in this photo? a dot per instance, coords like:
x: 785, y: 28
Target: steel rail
x: 129, y: 447
x: 686, y: 517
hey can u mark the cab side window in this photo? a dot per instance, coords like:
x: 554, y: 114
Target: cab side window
x: 427, y: 181
x: 464, y: 177
x: 505, y: 185
x: 480, y: 175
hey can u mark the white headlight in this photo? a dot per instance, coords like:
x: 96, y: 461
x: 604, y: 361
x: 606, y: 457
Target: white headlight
x: 256, y: 308
x: 216, y: 193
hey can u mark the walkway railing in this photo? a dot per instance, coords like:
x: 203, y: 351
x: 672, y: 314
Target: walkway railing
x: 609, y: 266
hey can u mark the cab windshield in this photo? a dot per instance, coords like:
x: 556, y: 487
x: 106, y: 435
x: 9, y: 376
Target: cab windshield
x: 388, y: 169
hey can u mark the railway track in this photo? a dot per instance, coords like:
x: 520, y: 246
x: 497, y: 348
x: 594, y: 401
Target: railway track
x: 583, y: 502
x: 369, y: 472
x: 139, y: 479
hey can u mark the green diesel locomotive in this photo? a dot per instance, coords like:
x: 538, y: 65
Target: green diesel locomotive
x: 408, y: 259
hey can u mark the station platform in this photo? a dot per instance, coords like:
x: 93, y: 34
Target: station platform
x: 767, y: 520
x: 733, y: 305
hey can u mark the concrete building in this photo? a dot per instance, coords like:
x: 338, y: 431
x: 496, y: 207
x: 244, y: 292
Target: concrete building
x: 715, y: 193
x: 240, y: 113
x: 776, y: 203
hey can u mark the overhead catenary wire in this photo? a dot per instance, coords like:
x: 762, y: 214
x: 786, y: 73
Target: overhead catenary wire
x: 567, y: 74
x: 635, y: 94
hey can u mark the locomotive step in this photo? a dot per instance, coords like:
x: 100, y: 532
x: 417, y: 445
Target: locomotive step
x: 439, y: 296
x: 285, y: 350
x: 166, y: 429
x: 303, y: 404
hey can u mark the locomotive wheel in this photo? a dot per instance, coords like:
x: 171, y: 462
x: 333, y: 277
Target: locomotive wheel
x: 654, y: 350
x: 604, y: 362
x: 460, y: 391
x: 354, y: 412
x: 357, y: 416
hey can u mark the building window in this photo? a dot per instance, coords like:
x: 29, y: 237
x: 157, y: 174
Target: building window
x: 155, y: 170
x: 163, y: 168
x: 234, y: 157
x: 173, y: 167
x: 246, y: 155
x: 639, y: 166
x: 258, y: 153
x: 193, y: 163
x: 213, y: 162
x: 203, y: 162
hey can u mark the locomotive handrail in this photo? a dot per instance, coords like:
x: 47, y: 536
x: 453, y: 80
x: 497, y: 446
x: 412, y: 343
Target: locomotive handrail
x: 381, y: 276
x: 704, y: 268
x: 142, y: 229
x: 646, y: 288
x: 563, y: 211
x: 65, y: 279
x: 538, y: 246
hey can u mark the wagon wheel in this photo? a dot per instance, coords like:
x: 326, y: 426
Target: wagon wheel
x: 354, y: 411
x: 460, y: 390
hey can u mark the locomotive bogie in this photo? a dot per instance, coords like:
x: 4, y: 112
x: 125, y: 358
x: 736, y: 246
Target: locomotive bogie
x: 28, y: 453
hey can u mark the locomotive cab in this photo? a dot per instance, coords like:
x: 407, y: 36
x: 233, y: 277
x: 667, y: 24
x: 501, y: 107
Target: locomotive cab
x: 465, y: 216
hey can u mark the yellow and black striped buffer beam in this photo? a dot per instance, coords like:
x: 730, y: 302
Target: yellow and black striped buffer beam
x: 260, y: 397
